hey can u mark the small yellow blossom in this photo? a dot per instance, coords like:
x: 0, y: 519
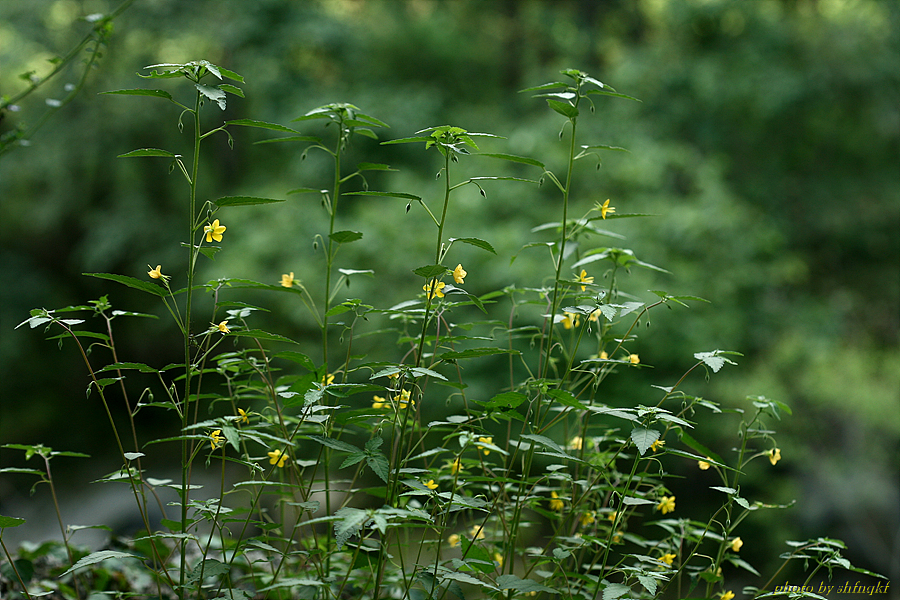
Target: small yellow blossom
x: 287, y: 280
x: 498, y: 558
x: 157, y: 273
x: 612, y: 516
x: 588, y: 518
x: 555, y: 502
x: 215, y: 438
x: 666, y: 505
x: 403, y: 399
x: 703, y: 465
x: 736, y: 544
x: 604, y: 355
x: 726, y: 595
x: 379, y: 402
x: 327, y: 379
x: 606, y: 209
x: 477, y: 532
x: 774, y: 455
x: 277, y: 457
x: 594, y: 316
x: 435, y: 288
x: 456, y: 466
x: 576, y: 443
x: 584, y: 280
x: 634, y: 358
x: 657, y: 445
x: 570, y: 320
x: 459, y: 274
x: 617, y: 537
x: 431, y: 485
x: 667, y: 558
x: 223, y: 326
x: 214, y: 231
x: 484, y: 440
x: 453, y: 540
x: 245, y: 416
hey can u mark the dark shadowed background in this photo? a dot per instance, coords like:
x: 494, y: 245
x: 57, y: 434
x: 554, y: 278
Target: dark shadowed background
x: 766, y: 142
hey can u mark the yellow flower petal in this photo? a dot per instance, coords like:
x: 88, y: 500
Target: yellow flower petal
x: 276, y: 457
x: 634, y: 358
x: 223, y: 326
x: 606, y: 209
x: 431, y: 485
x: 583, y: 278
x: 245, y: 416
x: 214, y: 231
x: 726, y: 595
x: 453, y: 540
x: 657, y: 445
x: 703, y: 465
x: 666, y: 505
x: 774, y: 455
x: 459, y: 273
x: 736, y: 544
x: 555, y: 502
x: 287, y: 280
x: 215, y: 438
x: 485, y: 440
x: 156, y: 273
x: 667, y: 558
x: 435, y: 288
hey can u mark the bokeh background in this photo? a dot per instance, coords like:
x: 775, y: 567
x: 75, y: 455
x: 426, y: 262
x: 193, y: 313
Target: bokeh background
x: 766, y: 141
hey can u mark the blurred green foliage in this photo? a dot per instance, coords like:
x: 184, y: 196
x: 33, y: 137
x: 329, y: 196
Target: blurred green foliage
x: 766, y: 140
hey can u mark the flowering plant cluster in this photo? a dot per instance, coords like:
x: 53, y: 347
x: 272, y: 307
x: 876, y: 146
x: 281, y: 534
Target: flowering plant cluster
x: 343, y: 475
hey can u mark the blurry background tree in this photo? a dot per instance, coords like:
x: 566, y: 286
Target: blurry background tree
x: 767, y: 141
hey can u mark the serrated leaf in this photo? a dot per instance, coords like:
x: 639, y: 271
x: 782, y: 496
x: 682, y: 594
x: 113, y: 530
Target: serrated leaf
x: 232, y: 89
x: 259, y: 334
x: 403, y: 195
x: 122, y: 366
x: 260, y: 124
x: 514, y: 158
x: 615, y: 590
x: 475, y: 353
x: 213, y: 93
x: 96, y: 557
x: 643, y: 438
x: 142, y: 92
x: 475, y: 242
x: 649, y: 583
x: 512, y: 582
x: 429, y: 271
x: 148, y: 152
x: 633, y: 501
x: 345, y: 237
x: 244, y: 201
x: 380, y: 465
x: 350, y: 524
x: 335, y: 444
x: 563, y: 108
x: 506, y: 400
x: 144, y: 286
x: 713, y: 360
x: 11, y: 521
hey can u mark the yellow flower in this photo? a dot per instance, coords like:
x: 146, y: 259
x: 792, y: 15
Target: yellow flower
x: 157, y: 273
x: 604, y: 355
x: 403, y: 399
x: 379, y: 402
x: 434, y: 289
x: 736, y: 544
x: 667, y: 505
x: 606, y: 209
x: 485, y: 440
x: 453, y: 540
x: 634, y: 358
x: 455, y: 466
x: 657, y: 445
x: 584, y: 279
x: 774, y: 455
x: 214, y: 231
x: 327, y: 379
x: 667, y: 558
x: 617, y: 537
x: 498, y: 558
x: 276, y: 457
x: 588, y: 518
x: 287, y: 280
x: 612, y: 516
x: 223, y: 326
x: 431, y: 485
x: 570, y: 320
x: 555, y: 502
x: 458, y: 274
x: 703, y: 465
x: 477, y: 532
x: 594, y: 316
x: 215, y: 438
x: 576, y: 443
x: 245, y: 416
x: 726, y: 595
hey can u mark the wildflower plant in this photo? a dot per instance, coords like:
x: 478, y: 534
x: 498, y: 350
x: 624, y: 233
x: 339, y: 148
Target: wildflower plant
x: 541, y: 488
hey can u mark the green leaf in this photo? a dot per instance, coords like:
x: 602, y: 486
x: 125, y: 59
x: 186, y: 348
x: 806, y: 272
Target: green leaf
x: 293, y: 138
x: 262, y: 335
x: 566, y: 398
x: 380, y: 465
x: 506, y: 400
x: 345, y: 237
x: 148, y: 152
x: 430, y: 271
x: 513, y: 158
x: 633, y: 501
x: 96, y: 557
x: 563, y: 108
x: 334, y: 444
x: 121, y: 366
x: 643, y: 438
x: 713, y: 359
x: 613, y: 591
x: 423, y: 372
x: 142, y: 92
x: 476, y: 352
x: 232, y: 90
x: 244, y: 201
x: 690, y: 442
x: 403, y: 195
x: 11, y: 521
x: 297, y: 357
x: 213, y: 93
x: 350, y: 524
x: 511, y: 582
x: 260, y: 124
x: 367, y: 166
x: 475, y: 242
x: 144, y: 286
